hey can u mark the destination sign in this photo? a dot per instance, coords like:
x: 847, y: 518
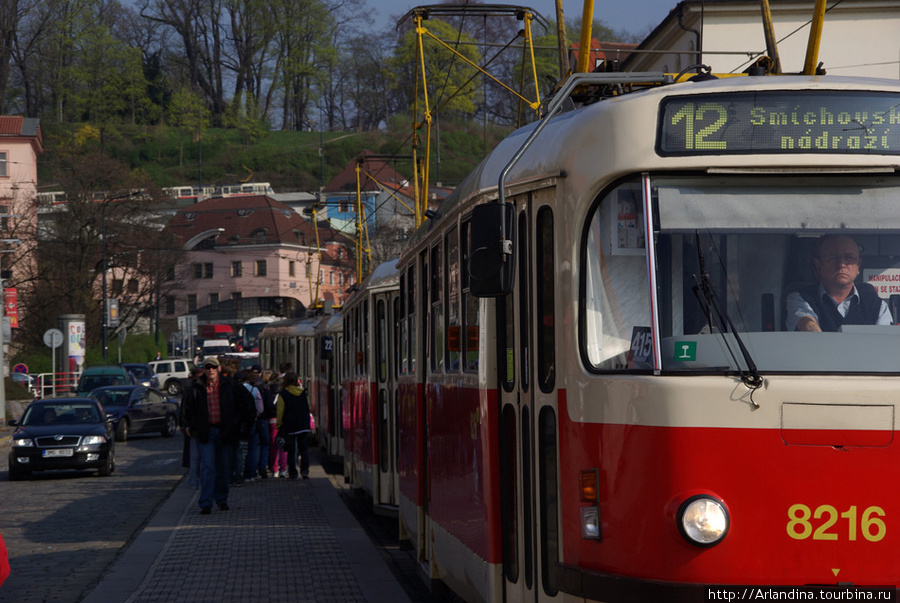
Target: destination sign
x: 852, y: 122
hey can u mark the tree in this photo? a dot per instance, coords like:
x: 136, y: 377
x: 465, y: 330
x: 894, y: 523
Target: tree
x: 451, y: 81
x: 187, y: 113
x: 199, y: 25
x: 304, y: 54
x: 105, y: 200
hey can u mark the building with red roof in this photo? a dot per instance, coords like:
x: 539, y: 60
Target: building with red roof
x: 250, y: 256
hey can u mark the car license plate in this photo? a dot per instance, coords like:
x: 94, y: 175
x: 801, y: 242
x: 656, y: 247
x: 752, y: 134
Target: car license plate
x: 59, y: 452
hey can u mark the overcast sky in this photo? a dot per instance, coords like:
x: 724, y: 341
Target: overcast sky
x: 631, y: 16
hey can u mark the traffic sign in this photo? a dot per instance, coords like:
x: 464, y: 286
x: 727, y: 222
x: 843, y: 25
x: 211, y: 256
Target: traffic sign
x: 20, y: 368
x: 53, y: 338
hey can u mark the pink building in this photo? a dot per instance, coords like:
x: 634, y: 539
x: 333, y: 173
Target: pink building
x: 20, y: 145
x: 250, y: 256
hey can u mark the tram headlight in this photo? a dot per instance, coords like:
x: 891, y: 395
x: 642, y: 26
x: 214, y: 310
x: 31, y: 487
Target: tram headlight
x: 590, y: 523
x: 703, y: 520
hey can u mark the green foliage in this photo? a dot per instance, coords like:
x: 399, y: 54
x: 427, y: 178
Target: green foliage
x: 449, y: 78
x: 14, y: 391
x: 137, y: 348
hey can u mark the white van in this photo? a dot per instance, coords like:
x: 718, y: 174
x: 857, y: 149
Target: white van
x: 215, y: 348
x: 174, y: 374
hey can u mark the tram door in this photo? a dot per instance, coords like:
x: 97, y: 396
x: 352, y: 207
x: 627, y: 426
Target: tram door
x: 387, y: 486
x: 527, y: 415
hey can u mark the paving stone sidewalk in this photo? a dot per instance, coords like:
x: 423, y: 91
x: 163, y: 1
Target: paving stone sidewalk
x: 281, y: 541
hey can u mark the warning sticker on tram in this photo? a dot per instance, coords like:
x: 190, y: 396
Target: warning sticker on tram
x: 855, y: 122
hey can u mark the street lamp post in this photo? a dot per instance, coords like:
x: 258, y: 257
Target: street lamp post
x: 105, y: 304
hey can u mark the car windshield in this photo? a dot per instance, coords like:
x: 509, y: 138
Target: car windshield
x: 61, y: 414
x: 112, y: 397
x: 90, y: 382
x: 740, y: 262
x: 139, y: 371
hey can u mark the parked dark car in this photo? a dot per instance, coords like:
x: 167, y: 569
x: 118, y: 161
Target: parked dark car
x: 137, y: 409
x: 62, y: 433
x: 143, y: 374
x: 99, y: 376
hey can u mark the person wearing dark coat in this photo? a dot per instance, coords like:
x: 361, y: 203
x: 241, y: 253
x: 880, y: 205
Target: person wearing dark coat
x: 292, y: 414
x: 213, y: 411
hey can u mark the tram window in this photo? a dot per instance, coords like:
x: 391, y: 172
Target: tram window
x: 470, y: 307
x: 345, y: 349
x: 754, y: 250
x: 524, y: 302
x: 400, y: 319
x: 381, y: 340
x: 423, y: 324
x: 454, y: 343
x: 437, y: 311
x: 549, y: 499
x: 357, y: 354
x: 365, y: 337
x: 398, y: 335
x: 615, y: 299
x: 546, y: 330
x: 509, y: 511
x: 507, y: 336
x: 411, y: 321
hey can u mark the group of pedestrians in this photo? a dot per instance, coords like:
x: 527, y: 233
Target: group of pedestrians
x: 223, y: 414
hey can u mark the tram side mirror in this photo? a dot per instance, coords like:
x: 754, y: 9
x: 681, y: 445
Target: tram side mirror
x: 491, y: 243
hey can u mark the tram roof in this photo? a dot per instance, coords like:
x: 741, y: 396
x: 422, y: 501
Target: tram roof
x: 385, y: 276
x: 290, y: 327
x: 573, y: 143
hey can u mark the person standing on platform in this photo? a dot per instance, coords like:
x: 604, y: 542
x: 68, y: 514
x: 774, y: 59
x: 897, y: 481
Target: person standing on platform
x: 258, y: 437
x: 292, y: 414
x: 214, y: 408
x: 277, y: 455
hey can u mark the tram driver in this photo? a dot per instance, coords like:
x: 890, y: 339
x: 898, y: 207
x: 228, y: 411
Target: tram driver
x: 835, y: 299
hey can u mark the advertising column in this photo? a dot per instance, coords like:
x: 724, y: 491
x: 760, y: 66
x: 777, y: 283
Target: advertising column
x: 72, y: 326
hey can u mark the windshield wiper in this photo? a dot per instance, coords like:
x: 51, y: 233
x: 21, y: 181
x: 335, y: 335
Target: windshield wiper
x: 709, y: 302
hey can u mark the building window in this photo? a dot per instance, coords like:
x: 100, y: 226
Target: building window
x: 170, y: 304
x: 291, y: 270
x: 343, y: 206
x: 236, y: 299
x: 331, y: 277
x: 203, y: 270
x: 4, y: 171
x: 133, y: 286
x: 259, y: 236
x: 259, y: 268
x: 4, y: 218
x: 321, y: 276
x: 213, y: 301
x: 341, y: 279
x: 192, y: 302
x: 117, y: 286
x: 237, y: 269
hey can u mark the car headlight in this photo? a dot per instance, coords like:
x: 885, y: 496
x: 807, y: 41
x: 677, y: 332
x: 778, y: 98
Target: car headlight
x: 23, y: 442
x: 93, y: 440
x: 703, y: 520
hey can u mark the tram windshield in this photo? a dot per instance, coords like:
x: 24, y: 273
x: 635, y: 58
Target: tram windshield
x: 759, y: 263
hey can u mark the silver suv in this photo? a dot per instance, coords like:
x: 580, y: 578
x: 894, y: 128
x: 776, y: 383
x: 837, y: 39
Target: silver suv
x: 174, y: 374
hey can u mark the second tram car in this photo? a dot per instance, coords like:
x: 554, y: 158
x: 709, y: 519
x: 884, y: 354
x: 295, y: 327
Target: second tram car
x: 585, y: 374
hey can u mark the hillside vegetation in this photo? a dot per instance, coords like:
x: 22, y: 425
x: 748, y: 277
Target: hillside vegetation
x: 290, y: 160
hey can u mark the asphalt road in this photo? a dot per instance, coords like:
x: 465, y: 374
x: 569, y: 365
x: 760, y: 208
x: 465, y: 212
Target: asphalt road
x: 63, y: 530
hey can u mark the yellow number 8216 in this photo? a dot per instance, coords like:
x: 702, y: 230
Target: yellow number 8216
x: 870, y: 525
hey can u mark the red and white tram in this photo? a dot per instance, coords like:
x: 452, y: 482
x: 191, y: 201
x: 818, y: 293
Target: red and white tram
x: 626, y: 415
x: 583, y: 376
x: 370, y: 386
